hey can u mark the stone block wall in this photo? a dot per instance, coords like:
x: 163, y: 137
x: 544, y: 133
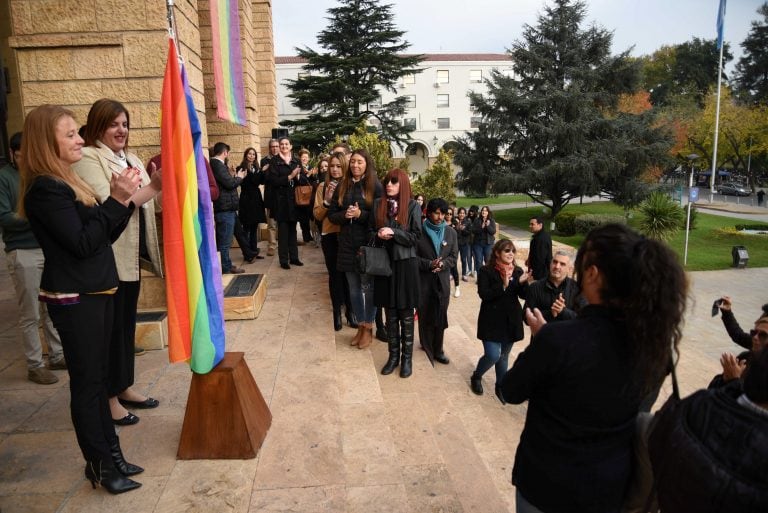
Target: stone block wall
x: 73, y: 52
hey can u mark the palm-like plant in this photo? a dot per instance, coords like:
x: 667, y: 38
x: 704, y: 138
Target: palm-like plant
x: 661, y: 216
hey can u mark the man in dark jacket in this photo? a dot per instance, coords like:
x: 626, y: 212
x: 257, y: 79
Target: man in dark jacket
x: 225, y: 207
x: 556, y: 294
x: 540, y: 252
x: 269, y: 196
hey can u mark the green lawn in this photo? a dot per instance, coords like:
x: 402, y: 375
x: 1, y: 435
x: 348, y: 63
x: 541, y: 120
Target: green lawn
x: 468, y: 201
x: 708, y: 248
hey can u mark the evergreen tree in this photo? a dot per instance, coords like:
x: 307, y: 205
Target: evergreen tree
x: 363, y: 56
x: 752, y: 69
x: 556, y: 119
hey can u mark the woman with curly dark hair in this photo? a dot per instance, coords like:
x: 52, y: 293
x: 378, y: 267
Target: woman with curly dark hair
x: 397, y: 221
x: 585, y: 379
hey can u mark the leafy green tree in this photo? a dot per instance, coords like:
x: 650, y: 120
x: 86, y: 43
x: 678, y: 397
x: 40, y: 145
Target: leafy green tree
x: 752, y: 69
x: 371, y: 142
x: 556, y: 120
x: 364, y: 55
x: 477, y: 153
x: 437, y: 181
x: 685, y: 71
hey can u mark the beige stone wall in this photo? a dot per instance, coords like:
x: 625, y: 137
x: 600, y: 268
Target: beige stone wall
x: 264, y: 49
x: 73, y: 52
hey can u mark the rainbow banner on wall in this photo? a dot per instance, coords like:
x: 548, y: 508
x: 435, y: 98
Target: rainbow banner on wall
x: 227, y: 61
x: 192, y: 267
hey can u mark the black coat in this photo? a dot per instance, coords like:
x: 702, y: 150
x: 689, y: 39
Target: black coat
x: 269, y: 194
x: 575, y: 451
x: 542, y: 293
x: 76, y: 239
x: 228, y: 200
x: 251, y: 202
x: 284, y: 200
x: 501, y: 316
x: 463, y: 231
x: 354, y: 232
x: 436, y: 287
x: 540, y: 254
x: 482, y: 235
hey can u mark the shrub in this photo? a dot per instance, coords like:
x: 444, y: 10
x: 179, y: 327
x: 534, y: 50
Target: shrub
x: 586, y: 223
x: 661, y: 216
x: 564, y: 223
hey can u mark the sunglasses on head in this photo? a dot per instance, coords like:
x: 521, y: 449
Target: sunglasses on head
x: 392, y: 180
x: 762, y: 336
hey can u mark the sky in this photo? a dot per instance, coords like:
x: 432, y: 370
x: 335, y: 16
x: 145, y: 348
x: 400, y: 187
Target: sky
x: 490, y: 26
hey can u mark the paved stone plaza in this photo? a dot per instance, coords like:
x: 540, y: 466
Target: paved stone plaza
x: 343, y: 437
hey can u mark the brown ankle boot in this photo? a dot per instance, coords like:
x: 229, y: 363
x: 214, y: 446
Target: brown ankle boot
x: 367, y: 335
x: 356, y: 339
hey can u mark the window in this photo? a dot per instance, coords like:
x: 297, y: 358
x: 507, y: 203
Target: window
x: 375, y: 104
x: 443, y: 122
x: 409, y: 79
x: 442, y: 76
x: 410, y: 101
x: 476, y: 75
x: 302, y: 74
x: 443, y: 100
x: 474, y: 121
x: 409, y: 123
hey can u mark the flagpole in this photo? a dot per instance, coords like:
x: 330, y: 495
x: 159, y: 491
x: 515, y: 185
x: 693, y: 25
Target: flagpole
x: 721, y: 45
x: 172, y: 26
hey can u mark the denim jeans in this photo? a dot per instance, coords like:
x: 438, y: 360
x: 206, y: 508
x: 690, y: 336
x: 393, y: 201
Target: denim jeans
x: 225, y: 230
x: 361, y: 296
x: 465, y: 250
x: 495, y: 354
x: 482, y: 253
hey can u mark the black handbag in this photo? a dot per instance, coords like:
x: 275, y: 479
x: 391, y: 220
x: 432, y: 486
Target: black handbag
x: 373, y: 260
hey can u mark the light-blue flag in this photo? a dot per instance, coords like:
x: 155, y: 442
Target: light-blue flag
x: 720, y: 23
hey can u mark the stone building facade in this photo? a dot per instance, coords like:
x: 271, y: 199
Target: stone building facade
x: 73, y: 52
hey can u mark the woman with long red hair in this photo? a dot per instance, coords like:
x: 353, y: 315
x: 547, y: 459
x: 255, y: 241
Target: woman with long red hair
x: 397, y: 221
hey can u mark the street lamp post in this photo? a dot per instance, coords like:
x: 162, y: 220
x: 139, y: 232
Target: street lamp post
x: 691, y: 197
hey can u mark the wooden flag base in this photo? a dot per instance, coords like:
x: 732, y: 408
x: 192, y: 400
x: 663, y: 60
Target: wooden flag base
x: 226, y: 415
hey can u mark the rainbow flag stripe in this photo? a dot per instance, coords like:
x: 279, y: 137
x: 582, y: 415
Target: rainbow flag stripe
x: 227, y: 61
x: 192, y: 267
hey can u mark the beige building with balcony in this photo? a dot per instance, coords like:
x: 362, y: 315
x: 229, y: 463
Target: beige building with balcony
x: 73, y: 52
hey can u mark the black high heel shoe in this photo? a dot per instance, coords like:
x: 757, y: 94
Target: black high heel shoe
x: 122, y: 466
x: 108, y: 477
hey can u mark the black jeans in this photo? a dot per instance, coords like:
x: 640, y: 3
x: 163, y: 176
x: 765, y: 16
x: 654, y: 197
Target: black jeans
x: 123, y: 341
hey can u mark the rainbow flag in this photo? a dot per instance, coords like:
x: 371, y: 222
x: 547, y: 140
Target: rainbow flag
x: 227, y: 61
x: 192, y: 268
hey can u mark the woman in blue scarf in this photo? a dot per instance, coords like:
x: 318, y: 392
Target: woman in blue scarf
x: 437, y: 250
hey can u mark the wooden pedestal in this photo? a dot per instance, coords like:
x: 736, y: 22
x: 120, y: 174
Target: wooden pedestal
x: 226, y: 415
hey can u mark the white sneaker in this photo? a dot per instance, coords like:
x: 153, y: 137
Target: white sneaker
x: 457, y: 292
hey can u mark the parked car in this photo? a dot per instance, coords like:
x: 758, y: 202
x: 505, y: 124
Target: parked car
x: 733, y: 189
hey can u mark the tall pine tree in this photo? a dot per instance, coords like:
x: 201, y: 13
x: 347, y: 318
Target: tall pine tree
x: 559, y: 129
x: 752, y: 69
x: 364, y: 54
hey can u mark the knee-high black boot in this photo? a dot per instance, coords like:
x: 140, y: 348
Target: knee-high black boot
x: 394, y: 342
x: 406, y: 321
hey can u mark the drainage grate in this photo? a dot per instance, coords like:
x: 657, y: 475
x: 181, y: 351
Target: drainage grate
x: 243, y: 285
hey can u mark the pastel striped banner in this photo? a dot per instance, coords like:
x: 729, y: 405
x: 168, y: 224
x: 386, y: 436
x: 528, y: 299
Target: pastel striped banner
x: 227, y: 61
x: 192, y: 268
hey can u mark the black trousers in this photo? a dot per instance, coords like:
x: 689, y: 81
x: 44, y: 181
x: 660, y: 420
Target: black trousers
x: 432, y: 337
x: 122, y: 355
x: 337, y: 280
x: 85, y: 330
x: 287, y: 249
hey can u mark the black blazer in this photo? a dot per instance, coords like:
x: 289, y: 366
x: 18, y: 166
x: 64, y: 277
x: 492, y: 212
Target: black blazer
x: 501, y: 316
x: 284, y: 201
x: 76, y: 239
